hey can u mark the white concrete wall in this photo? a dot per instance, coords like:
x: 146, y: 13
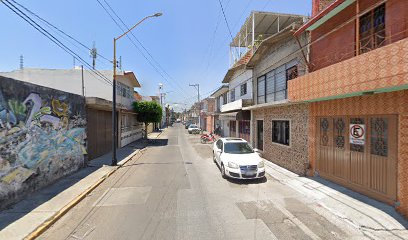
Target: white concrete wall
x: 278, y: 55
x: 239, y: 78
x: 70, y: 80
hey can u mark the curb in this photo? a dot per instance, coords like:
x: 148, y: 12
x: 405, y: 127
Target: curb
x: 49, y: 222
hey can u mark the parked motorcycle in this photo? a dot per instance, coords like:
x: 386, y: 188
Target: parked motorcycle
x: 207, y: 138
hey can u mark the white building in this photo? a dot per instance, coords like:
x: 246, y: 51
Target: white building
x: 98, y: 93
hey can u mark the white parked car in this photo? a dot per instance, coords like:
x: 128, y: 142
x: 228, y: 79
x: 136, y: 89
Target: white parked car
x: 237, y: 159
x: 193, y: 128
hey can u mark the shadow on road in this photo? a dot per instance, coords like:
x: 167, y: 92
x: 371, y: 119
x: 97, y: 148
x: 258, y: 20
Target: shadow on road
x: 158, y: 163
x: 156, y: 142
x: 247, y: 181
x: 390, y: 210
x: 35, y: 199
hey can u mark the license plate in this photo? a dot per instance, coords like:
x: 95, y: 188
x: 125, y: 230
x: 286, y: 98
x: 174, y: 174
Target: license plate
x: 250, y: 173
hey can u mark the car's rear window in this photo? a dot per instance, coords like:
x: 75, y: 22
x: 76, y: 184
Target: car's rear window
x: 193, y: 126
x: 238, y: 148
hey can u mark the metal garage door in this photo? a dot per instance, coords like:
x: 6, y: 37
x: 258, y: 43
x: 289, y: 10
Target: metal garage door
x: 359, y: 152
x: 99, y: 132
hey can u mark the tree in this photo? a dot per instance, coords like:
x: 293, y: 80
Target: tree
x: 148, y: 112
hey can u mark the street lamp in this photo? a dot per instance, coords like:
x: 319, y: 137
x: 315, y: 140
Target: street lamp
x: 114, y: 130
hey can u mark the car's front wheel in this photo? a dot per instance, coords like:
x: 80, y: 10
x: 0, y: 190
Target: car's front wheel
x: 214, y: 157
x: 223, y: 171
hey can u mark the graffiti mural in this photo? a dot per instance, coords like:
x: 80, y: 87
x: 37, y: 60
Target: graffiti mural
x: 42, y: 136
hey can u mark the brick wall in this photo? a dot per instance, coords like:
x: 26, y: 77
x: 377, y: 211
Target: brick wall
x: 385, y: 103
x: 319, y: 5
x: 295, y: 156
x: 340, y: 44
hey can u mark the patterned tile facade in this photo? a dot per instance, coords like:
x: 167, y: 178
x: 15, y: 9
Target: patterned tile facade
x: 377, y: 104
x: 293, y: 157
x: 385, y: 67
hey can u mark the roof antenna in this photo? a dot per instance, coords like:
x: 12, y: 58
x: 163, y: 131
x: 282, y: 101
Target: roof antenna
x: 21, y: 62
x: 94, y: 54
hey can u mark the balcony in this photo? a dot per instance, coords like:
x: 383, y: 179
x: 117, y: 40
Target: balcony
x: 380, y: 70
x: 236, y: 105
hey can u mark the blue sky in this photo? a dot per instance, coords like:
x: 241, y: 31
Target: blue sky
x: 182, y: 41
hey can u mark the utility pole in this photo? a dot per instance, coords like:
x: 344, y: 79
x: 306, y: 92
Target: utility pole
x: 83, y: 86
x: 114, y: 125
x: 197, y: 86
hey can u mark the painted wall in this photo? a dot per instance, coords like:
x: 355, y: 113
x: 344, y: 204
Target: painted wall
x: 279, y: 54
x: 42, y: 137
x: 70, y: 80
x: 240, y: 77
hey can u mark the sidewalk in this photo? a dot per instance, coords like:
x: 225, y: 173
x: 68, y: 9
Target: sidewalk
x: 375, y: 219
x: 47, y: 205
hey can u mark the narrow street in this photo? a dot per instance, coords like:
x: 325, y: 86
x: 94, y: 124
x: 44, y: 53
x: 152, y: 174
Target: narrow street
x: 173, y: 190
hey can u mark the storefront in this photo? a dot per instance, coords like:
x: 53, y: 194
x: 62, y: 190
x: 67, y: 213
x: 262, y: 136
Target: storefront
x: 236, y: 124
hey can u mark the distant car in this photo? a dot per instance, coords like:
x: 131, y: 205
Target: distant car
x: 193, y: 128
x: 237, y: 159
x: 188, y: 124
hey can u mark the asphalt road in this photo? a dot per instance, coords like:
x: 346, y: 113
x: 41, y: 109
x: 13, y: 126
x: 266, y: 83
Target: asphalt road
x: 173, y: 190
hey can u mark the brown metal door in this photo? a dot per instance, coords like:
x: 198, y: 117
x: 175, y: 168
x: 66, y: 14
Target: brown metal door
x: 99, y: 132
x: 325, y: 147
x: 383, y: 155
x: 367, y: 165
x: 359, y: 163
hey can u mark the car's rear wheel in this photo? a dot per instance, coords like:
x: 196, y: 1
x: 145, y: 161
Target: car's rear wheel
x: 214, y: 157
x: 223, y: 171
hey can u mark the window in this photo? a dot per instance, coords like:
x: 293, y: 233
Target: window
x: 238, y: 148
x: 243, y: 89
x: 261, y: 90
x: 273, y: 86
x: 291, y: 73
x: 372, y: 29
x: 280, y: 132
x: 233, y: 95
x: 259, y: 129
x: 224, y: 98
x: 219, y: 144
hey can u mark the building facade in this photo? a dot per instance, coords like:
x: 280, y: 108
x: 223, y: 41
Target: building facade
x: 220, y: 95
x: 43, y: 137
x: 280, y: 127
x: 98, y: 94
x: 356, y: 90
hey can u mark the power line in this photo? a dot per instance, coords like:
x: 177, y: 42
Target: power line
x: 133, y: 43
x: 58, y: 29
x: 141, y: 44
x: 226, y: 21
x: 39, y: 28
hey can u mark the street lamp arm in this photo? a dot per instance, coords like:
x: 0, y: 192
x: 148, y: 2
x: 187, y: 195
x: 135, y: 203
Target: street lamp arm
x: 154, y: 15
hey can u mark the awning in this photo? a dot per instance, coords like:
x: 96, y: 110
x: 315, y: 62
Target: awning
x: 236, y: 116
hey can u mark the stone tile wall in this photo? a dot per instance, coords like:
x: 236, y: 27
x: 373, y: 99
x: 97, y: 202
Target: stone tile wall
x: 294, y: 157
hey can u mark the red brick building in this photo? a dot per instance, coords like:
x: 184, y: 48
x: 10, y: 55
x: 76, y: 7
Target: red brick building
x: 357, y: 92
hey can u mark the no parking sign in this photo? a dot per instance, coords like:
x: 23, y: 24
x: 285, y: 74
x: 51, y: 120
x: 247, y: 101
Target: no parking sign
x: 357, y: 134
